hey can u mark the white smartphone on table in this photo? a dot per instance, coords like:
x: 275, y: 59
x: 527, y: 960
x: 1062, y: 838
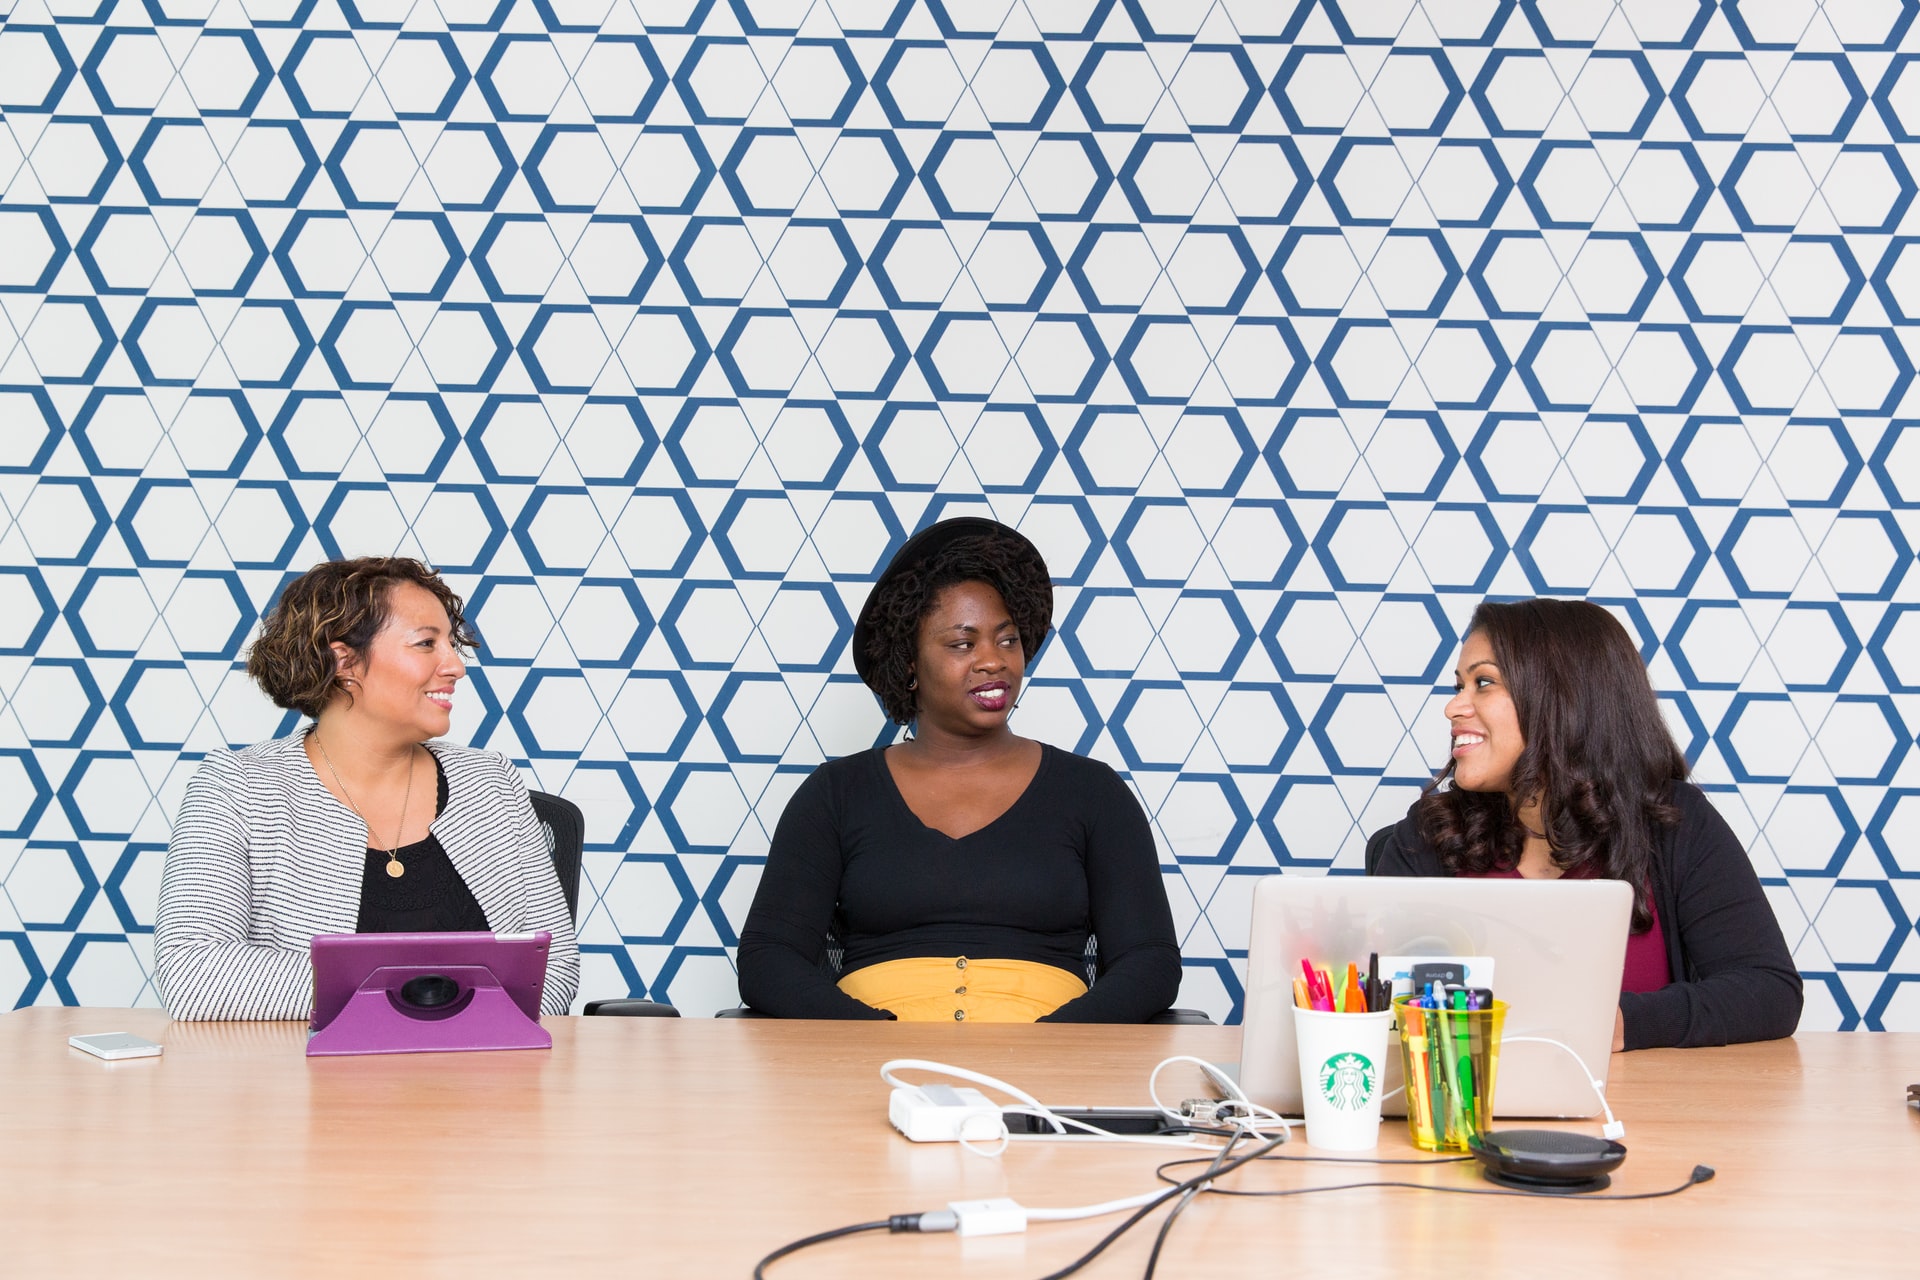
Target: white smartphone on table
x: 115, y: 1045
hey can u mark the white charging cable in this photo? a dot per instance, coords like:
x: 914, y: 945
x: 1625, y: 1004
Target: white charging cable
x: 993, y: 1217
x: 887, y: 1070
x: 1612, y: 1128
x: 1244, y: 1113
x: 1094, y: 1210
x: 1028, y: 1105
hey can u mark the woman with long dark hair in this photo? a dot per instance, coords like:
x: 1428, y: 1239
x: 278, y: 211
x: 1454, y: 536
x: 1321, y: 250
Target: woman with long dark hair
x: 1561, y: 765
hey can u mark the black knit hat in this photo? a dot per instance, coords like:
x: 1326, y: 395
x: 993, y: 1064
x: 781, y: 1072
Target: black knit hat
x: 920, y: 549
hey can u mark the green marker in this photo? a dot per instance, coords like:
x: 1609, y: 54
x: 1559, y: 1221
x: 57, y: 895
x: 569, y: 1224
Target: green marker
x: 1464, y: 1042
x: 1451, y: 1062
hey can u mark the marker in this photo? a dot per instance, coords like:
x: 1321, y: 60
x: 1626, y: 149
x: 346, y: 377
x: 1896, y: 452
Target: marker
x: 1418, y: 1085
x: 1300, y: 996
x: 1464, y: 1042
x: 1313, y: 983
x: 1450, y: 1065
x: 1376, y: 1001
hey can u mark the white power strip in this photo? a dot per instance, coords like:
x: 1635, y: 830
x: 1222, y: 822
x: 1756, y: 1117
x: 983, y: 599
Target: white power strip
x: 940, y: 1113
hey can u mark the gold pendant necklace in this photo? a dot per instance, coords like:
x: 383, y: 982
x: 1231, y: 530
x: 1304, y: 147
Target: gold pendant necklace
x: 394, y: 867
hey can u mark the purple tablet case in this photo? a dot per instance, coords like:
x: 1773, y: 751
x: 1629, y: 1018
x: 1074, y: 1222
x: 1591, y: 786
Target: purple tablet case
x: 427, y: 992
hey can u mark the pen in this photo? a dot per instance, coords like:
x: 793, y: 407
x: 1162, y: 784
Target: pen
x: 1375, y: 1001
x: 1436, y: 1085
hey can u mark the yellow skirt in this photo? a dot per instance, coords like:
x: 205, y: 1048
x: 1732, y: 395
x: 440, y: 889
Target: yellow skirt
x: 956, y: 989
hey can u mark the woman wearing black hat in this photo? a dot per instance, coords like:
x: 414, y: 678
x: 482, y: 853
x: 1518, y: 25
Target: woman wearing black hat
x: 962, y: 870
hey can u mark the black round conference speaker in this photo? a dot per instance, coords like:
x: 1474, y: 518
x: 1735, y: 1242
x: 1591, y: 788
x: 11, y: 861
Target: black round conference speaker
x: 1550, y: 1161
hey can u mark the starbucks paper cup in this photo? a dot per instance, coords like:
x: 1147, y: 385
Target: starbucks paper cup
x: 1343, y: 1067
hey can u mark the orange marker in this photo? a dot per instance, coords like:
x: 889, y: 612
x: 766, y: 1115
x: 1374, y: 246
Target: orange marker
x: 1419, y: 1090
x: 1356, y: 999
x: 1300, y: 996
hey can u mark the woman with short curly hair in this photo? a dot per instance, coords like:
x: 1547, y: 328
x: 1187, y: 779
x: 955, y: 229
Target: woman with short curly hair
x: 363, y: 822
x: 962, y: 870
x: 1560, y: 765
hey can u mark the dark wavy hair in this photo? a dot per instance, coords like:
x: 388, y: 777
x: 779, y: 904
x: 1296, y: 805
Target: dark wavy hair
x: 899, y: 605
x: 1596, y: 752
x: 340, y: 601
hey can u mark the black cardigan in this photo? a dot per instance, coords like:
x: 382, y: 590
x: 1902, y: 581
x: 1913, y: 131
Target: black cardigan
x: 1733, y: 978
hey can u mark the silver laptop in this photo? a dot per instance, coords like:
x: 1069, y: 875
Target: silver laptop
x: 1558, y: 947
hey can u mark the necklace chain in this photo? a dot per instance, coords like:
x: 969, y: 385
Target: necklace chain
x: 394, y: 867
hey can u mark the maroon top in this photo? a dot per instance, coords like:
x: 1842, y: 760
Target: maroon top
x: 1646, y: 968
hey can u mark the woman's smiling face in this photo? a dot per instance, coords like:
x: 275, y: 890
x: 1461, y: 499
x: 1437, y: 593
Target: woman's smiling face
x: 970, y: 660
x: 406, y: 679
x: 1484, y: 723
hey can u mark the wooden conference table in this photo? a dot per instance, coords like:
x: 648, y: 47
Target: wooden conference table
x: 692, y: 1147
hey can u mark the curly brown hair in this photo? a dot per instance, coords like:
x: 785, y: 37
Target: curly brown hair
x: 1597, y: 752
x: 898, y: 605
x: 338, y: 602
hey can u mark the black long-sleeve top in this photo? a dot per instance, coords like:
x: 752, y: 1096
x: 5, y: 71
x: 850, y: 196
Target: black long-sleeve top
x: 1072, y: 856
x: 1733, y: 977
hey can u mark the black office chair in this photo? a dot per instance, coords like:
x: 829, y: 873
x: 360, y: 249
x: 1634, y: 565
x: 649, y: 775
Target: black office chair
x: 830, y: 961
x: 566, y: 832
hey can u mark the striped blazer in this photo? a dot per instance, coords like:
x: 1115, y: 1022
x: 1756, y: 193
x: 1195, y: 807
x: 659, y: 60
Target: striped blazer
x: 263, y: 858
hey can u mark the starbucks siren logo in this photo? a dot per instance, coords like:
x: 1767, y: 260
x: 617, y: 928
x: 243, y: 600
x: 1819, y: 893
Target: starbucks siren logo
x: 1347, y: 1081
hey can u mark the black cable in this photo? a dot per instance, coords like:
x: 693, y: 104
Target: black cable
x: 1218, y: 1166
x: 1134, y: 1218
x: 1161, y: 1172
x: 911, y: 1221
x: 1166, y: 1223
x: 1701, y: 1173
x: 887, y: 1224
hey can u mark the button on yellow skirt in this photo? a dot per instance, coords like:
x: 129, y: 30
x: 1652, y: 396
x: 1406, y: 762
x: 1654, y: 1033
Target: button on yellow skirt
x: 959, y: 989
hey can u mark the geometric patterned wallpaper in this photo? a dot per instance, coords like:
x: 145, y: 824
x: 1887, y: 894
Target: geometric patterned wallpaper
x: 1288, y: 330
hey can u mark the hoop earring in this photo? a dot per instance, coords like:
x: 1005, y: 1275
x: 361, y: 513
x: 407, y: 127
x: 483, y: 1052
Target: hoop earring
x: 913, y: 684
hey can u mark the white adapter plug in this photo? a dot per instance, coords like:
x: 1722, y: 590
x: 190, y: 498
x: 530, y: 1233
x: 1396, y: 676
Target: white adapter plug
x: 988, y: 1217
x: 940, y: 1113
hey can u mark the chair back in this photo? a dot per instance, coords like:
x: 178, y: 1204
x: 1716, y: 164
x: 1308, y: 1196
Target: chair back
x: 1377, y: 848
x: 566, y: 831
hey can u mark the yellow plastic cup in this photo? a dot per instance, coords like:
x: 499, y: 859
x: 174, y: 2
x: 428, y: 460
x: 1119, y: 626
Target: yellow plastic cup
x: 1450, y: 1059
